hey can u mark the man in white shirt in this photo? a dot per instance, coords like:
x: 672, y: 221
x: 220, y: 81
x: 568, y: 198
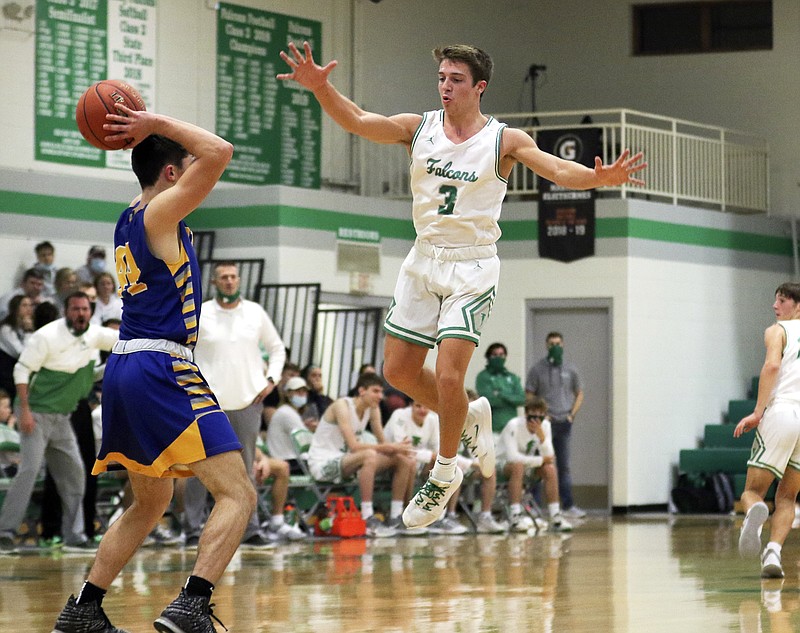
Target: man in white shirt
x: 231, y: 331
x: 525, y: 448
x: 61, y: 356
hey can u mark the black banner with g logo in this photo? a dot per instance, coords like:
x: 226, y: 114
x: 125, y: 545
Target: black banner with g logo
x: 567, y: 216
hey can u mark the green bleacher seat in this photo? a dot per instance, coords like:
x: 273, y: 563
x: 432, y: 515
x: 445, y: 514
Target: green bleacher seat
x: 737, y: 409
x: 712, y: 460
x: 754, y: 388
x: 721, y: 436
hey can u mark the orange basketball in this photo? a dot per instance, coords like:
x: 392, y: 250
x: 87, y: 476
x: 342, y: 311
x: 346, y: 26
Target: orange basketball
x: 99, y: 100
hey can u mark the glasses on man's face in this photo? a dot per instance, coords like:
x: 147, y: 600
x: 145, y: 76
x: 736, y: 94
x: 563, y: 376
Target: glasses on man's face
x: 535, y: 417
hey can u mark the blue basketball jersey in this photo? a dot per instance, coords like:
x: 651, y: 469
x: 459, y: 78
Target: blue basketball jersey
x: 160, y: 300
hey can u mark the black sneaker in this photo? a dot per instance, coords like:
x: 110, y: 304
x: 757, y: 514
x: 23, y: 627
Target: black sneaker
x: 7, y: 545
x: 187, y: 614
x: 257, y: 542
x: 191, y: 542
x: 84, y: 618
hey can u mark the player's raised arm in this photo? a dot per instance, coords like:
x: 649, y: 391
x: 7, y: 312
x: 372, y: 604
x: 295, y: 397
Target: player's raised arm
x: 519, y: 147
x: 399, y: 128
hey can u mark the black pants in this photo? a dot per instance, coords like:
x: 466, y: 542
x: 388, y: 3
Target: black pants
x: 51, y: 503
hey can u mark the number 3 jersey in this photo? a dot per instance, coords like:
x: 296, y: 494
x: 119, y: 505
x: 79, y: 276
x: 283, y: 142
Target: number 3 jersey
x: 160, y: 300
x: 457, y: 188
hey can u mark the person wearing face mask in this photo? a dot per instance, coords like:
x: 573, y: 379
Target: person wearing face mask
x: 232, y: 331
x: 287, y: 419
x: 61, y: 356
x: 95, y: 264
x: 502, y: 388
x: 557, y: 381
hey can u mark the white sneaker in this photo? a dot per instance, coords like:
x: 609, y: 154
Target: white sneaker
x: 559, y: 524
x: 285, y: 532
x: 750, y: 536
x: 477, y: 435
x: 448, y: 525
x: 771, y: 563
x: 521, y: 523
x: 430, y: 502
x: 574, y: 513
x: 487, y: 525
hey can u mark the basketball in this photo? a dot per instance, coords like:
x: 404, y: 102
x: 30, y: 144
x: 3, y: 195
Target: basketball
x: 99, y: 100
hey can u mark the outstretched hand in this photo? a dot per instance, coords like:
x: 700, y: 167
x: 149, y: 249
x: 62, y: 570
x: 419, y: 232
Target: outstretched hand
x: 746, y: 424
x: 305, y: 70
x: 620, y: 171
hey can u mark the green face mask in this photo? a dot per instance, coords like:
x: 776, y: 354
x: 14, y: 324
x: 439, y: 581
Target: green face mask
x: 555, y: 355
x: 225, y: 299
x: 496, y: 363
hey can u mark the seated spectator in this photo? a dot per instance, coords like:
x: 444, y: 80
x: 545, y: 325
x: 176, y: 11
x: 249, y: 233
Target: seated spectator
x: 338, y: 451
x: 264, y: 467
x: 366, y: 368
x: 43, y: 314
x: 9, y: 460
x: 318, y: 402
x: 95, y: 264
x: 45, y: 256
x: 32, y: 286
x: 66, y: 283
x: 525, y: 449
x: 14, y: 332
x: 275, y: 397
x: 286, y: 420
x: 108, y: 304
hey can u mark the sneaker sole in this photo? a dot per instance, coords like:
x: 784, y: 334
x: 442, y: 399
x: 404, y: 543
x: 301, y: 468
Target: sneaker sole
x: 772, y: 571
x: 165, y: 626
x: 432, y: 517
x: 749, y: 538
x: 484, y: 419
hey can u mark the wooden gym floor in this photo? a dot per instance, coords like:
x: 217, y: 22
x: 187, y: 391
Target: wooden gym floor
x: 648, y: 573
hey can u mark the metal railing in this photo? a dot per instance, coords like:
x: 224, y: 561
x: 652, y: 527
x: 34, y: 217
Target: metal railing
x: 688, y: 163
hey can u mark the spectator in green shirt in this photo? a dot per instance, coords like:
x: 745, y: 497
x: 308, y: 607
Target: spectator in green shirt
x: 502, y: 388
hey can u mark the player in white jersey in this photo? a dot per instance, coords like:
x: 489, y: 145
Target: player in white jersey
x: 460, y: 162
x: 525, y: 447
x: 776, y: 447
x: 339, y: 450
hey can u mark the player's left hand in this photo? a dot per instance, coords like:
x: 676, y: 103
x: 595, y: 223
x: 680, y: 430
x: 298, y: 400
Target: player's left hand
x: 621, y: 171
x: 746, y: 424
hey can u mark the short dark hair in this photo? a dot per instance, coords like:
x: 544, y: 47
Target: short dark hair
x: 790, y: 290
x: 78, y: 294
x: 365, y: 381
x: 479, y: 62
x: 34, y: 273
x: 225, y: 264
x: 495, y: 346
x: 154, y: 153
x: 44, y: 313
x: 43, y: 246
x: 554, y: 335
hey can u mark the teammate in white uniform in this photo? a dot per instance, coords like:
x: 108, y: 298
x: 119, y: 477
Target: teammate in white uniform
x: 460, y: 162
x: 525, y: 447
x: 776, y: 447
x: 339, y: 450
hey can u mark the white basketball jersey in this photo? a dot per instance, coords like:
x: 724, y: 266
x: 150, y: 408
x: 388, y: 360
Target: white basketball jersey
x: 457, y: 188
x: 328, y: 437
x: 788, y: 385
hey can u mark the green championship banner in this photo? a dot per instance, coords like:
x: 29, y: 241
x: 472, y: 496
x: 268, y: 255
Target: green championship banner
x: 275, y: 126
x: 566, y: 216
x: 79, y: 42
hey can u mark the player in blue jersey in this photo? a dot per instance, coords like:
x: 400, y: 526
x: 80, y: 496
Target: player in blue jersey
x: 160, y: 419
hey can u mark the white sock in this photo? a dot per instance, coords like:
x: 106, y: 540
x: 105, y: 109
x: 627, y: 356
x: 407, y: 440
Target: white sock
x: 275, y: 521
x: 775, y: 546
x: 486, y: 515
x: 516, y: 508
x: 444, y: 469
x: 366, y: 509
x: 554, y: 508
x: 396, y: 509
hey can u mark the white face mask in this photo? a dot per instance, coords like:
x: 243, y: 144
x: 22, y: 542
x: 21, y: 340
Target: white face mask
x: 298, y: 401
